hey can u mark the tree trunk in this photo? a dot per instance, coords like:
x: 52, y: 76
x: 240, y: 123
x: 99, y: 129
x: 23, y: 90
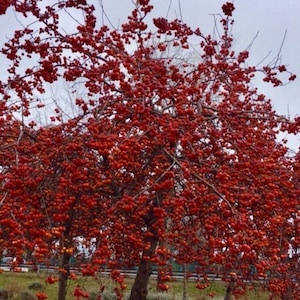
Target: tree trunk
x: 184, y: 293
x: 139, y: 289
x: 64, y: 272
x: 230, y: 287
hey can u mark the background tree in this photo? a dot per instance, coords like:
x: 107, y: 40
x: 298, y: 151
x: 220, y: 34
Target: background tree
x: 165, y: 157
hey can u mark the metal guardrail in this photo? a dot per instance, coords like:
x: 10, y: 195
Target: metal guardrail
x: 127, y: 272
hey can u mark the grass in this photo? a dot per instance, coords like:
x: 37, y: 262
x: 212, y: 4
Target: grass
x: 16, y: 283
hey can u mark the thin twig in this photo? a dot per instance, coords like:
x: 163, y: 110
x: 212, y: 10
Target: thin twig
x: 202, y: 180
x: 2, y: 200
x: 156, y: 181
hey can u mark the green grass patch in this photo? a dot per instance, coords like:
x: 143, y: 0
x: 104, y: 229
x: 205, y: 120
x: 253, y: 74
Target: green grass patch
x: 31, y: 283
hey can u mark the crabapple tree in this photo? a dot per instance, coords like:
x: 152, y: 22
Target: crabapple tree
x: 166, y: 159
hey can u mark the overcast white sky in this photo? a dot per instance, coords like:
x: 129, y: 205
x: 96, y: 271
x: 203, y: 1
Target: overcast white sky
x: 268, y: 17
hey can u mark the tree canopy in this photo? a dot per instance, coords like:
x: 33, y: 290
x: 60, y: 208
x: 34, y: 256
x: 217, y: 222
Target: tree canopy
x: 166, y: 152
